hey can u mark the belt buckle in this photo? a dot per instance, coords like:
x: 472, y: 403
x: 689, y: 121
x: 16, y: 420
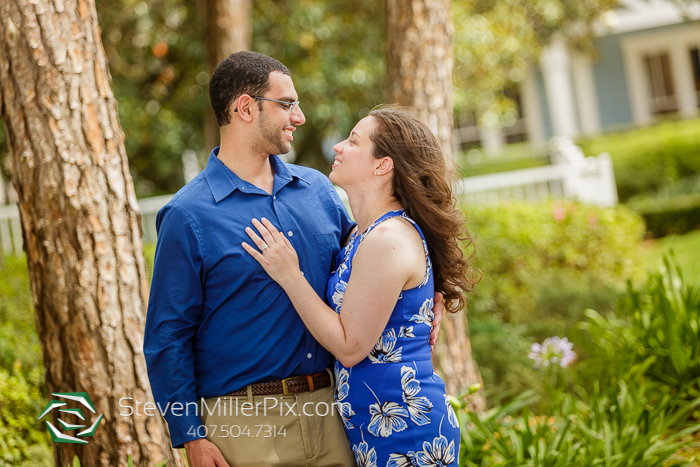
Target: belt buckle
x: 285, y: 389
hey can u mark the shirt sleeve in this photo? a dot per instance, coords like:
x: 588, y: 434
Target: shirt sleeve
x: 174, y: 315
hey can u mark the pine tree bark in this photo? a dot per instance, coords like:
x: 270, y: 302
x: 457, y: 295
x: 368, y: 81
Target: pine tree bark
x: 228, y: 29
x: 80, y: 222
x: 419, y: 73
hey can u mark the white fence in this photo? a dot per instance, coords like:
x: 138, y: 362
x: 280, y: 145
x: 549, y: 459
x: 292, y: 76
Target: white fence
x: 11, y: 231
x: 572, y: 176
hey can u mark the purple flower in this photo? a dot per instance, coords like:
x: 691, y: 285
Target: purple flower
x: 553, y: 350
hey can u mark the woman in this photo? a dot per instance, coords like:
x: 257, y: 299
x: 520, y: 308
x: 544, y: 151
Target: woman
x: 393, y: 406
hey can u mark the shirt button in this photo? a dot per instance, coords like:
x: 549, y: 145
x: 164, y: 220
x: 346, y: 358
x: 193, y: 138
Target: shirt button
x: 302, y: 273
x: 308, y: 355
x: 290, y: 233
x: 274, y: 197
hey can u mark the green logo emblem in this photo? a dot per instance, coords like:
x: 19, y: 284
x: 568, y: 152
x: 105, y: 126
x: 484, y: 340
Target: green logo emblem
x: 57, y: 435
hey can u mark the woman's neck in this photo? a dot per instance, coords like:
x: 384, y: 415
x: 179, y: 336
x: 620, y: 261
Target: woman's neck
x: 367, y: 207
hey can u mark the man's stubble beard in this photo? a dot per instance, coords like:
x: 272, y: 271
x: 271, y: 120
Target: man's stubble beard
x: 271, y: 138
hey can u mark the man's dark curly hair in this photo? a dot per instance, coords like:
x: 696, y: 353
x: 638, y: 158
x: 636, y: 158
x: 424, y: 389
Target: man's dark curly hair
x: 240, y: 73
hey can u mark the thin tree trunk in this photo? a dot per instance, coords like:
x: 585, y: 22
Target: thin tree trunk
x: 419, y: 73
x: 80, y: 222
x: 228, y: 29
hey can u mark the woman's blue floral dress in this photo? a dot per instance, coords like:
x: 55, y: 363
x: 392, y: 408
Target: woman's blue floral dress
x: 393, y: 405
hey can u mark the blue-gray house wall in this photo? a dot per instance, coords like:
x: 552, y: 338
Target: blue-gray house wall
x: 610, y: 83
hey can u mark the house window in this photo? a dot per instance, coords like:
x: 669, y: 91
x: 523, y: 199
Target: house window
x: 695, y: 59
x: 517, y: 132
x: 661, y: 93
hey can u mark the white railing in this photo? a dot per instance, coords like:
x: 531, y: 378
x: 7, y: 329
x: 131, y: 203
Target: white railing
x: 11, y: 231
x: 572, y: 176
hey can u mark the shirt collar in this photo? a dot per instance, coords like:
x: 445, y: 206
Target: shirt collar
x: 222, y: 181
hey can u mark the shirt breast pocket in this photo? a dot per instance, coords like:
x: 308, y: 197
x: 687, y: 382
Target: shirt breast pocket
x: 328, y: 248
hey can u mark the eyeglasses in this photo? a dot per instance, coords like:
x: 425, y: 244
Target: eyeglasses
x: 292, y: 105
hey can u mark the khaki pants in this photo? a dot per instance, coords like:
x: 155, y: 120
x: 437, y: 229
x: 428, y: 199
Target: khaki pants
x: 296, y: 430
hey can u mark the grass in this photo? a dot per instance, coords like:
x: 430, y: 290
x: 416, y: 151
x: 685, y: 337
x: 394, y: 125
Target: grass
x: 686, y: 249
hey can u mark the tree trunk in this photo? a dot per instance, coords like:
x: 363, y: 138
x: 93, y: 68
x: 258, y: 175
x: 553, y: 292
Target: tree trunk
x: 80, y: 222
x: 419, y: 74
x: 228, y: 29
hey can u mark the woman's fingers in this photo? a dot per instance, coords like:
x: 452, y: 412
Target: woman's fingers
x: 253, y: 252
x: 264, y: 232
x: 269, y: 226
x: 261, y: 244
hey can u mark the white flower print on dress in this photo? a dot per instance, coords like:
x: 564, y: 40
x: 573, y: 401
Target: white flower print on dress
x: 339, y: 294
x: 425, y: 314
x: 451, y: 415
x: 438, y: 454
x: 386, y: 417
x: 383, y: 351
x: 418, y: 406
x: 342, y: 388
x: 402, y: 460
x: 364, y: 457
x: 406, y: 331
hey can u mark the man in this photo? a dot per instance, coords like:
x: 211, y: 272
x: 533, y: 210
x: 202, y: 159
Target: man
x: 218, y: 328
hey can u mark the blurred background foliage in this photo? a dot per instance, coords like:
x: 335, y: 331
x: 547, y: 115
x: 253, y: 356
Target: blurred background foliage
x: 157, y: 56
x: 495, y: 40
x: 335, y: 50
x: 543, y: 264
x: 159, y: 75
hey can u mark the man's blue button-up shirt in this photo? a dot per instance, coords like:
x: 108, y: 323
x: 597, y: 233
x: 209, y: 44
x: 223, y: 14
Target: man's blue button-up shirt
x: 216, y: 321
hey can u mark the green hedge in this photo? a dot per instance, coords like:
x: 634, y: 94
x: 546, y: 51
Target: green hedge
x: 667, y: 216
x: 646, y: 159
x: 522, y: 247
x: 542, y: 265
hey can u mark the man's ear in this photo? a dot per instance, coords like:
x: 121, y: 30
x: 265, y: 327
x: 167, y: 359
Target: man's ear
x: 243, y: 107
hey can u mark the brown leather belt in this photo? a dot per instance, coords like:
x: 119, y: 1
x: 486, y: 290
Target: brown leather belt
x: 287, y: 386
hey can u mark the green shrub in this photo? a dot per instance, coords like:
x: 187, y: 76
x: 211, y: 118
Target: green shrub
x: 20, y: 403
x: 636, y: 402
x: 669, y: 215
x: 623, y: 426
x: 542, y: 265
x: 656, y: 331
x: 646, y: 159
x: 22, y: 439
x: 523, y: 247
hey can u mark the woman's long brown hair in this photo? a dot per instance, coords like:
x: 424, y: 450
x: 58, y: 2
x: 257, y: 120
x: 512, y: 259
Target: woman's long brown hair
x: 423, y: 186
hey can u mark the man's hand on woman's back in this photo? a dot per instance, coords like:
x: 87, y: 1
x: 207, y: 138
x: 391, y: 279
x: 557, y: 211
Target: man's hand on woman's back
x: 438, y: 312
